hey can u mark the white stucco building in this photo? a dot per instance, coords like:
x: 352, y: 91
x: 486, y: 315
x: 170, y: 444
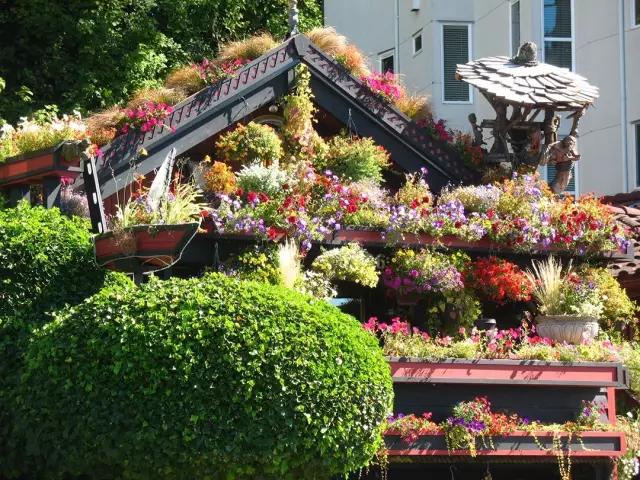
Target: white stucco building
x: 423, y: 40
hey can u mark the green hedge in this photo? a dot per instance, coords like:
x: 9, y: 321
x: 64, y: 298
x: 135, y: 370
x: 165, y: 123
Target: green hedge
x: 203, y: 378
x: 46, y: 261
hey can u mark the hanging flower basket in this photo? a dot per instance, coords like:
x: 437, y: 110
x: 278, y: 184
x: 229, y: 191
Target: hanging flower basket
x: 143, y: 248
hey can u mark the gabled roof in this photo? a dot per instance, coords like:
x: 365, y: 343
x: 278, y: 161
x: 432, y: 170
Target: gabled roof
x: 257, y: 85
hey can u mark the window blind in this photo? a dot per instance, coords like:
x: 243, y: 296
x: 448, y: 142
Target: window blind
x: 551, y: 175
x: 455, y: 50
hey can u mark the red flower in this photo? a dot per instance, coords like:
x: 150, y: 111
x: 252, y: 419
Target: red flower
x: 252, y: 197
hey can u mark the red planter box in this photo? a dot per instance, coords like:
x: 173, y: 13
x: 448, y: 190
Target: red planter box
x: 34, y: 166
x: 520, y: 444
x: 510, y: 372
x: 150, y: 247
x: 375, y: 238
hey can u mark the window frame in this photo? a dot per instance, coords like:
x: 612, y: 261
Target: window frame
x: 416, y: 35
x: 571, y: 40
x: 469, y: 26
x: 391, y: 53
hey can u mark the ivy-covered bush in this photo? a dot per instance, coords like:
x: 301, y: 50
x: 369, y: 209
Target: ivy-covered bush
x: 203, y: 378
x: 46, y: 261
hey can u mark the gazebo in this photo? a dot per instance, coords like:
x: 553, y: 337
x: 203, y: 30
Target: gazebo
x: 530, y: 88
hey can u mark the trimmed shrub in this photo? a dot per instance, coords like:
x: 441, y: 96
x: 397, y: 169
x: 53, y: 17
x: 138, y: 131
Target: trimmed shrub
x: 203, y: 378
x: 46, y: 262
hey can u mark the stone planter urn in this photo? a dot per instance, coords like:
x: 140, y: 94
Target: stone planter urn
x: 572, y: 329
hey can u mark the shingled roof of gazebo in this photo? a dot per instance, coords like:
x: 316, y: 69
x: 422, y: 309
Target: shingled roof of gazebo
x: 522, y: 80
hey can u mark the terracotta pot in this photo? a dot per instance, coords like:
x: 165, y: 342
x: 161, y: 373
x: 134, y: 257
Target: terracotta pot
x: 567, y: 328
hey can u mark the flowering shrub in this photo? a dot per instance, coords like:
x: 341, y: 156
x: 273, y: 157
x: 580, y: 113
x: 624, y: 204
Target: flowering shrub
x: 383, y: 84
x: 629, y: 464
x: 469, y: 421
x: 409, y: 271
x: 618, y: 309
x: 401, y: 340
x: 415, y: 191
x: 438, y: 130
x: 250, y: 143
x: 585, y: 224
x: 355, y: 158
x: 349, y: 263
x: 269, y: 180
x: 212, y: 71
x: 145, y: 117
x: 219, y: 178
x: 472, y: 156
x: 474, y: 198
x: 31, y: 135
x: 498, y: 280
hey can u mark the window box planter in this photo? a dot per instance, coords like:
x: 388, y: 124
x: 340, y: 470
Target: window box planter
x: 376, y: 239
x: 551, y: 392
x: 143, y: 248
x: 509, y: 372
x: 520, y: 444
x: 34, y: 166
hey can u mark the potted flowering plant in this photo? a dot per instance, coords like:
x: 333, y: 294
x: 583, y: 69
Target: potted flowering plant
x: 569, y: 306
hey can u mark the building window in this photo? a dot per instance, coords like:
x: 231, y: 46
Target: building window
x: 417, y: 43
x: 387, y: 63
x: 456, y: 48
x: 515, y: 27
x: 637, y: 127
x: 636, y: 12
x: 558, y: 33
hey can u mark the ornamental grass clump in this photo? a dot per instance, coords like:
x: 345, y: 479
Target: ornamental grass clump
x: 560, y: 293
x: 247, y: 49
x: 247, y: 144
x: 203, y: 378
x: 181, y: 204
x: 350, y: 263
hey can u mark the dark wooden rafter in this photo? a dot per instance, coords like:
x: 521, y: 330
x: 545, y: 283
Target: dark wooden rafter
x: 262, y: 82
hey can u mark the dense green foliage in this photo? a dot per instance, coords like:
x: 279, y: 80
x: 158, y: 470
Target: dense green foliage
x: 89, y: 54
x: 203, y: 378
x: 46, y: 261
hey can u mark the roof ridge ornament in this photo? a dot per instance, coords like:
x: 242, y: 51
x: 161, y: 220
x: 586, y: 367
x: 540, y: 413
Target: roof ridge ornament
x: 527, y: 55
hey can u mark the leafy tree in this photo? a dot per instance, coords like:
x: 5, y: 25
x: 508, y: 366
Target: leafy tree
x: 89, y: 54
x: 46, y: 262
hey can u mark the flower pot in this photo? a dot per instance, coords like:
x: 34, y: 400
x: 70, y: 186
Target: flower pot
x: 567, y: 328
x: 143, y: 248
